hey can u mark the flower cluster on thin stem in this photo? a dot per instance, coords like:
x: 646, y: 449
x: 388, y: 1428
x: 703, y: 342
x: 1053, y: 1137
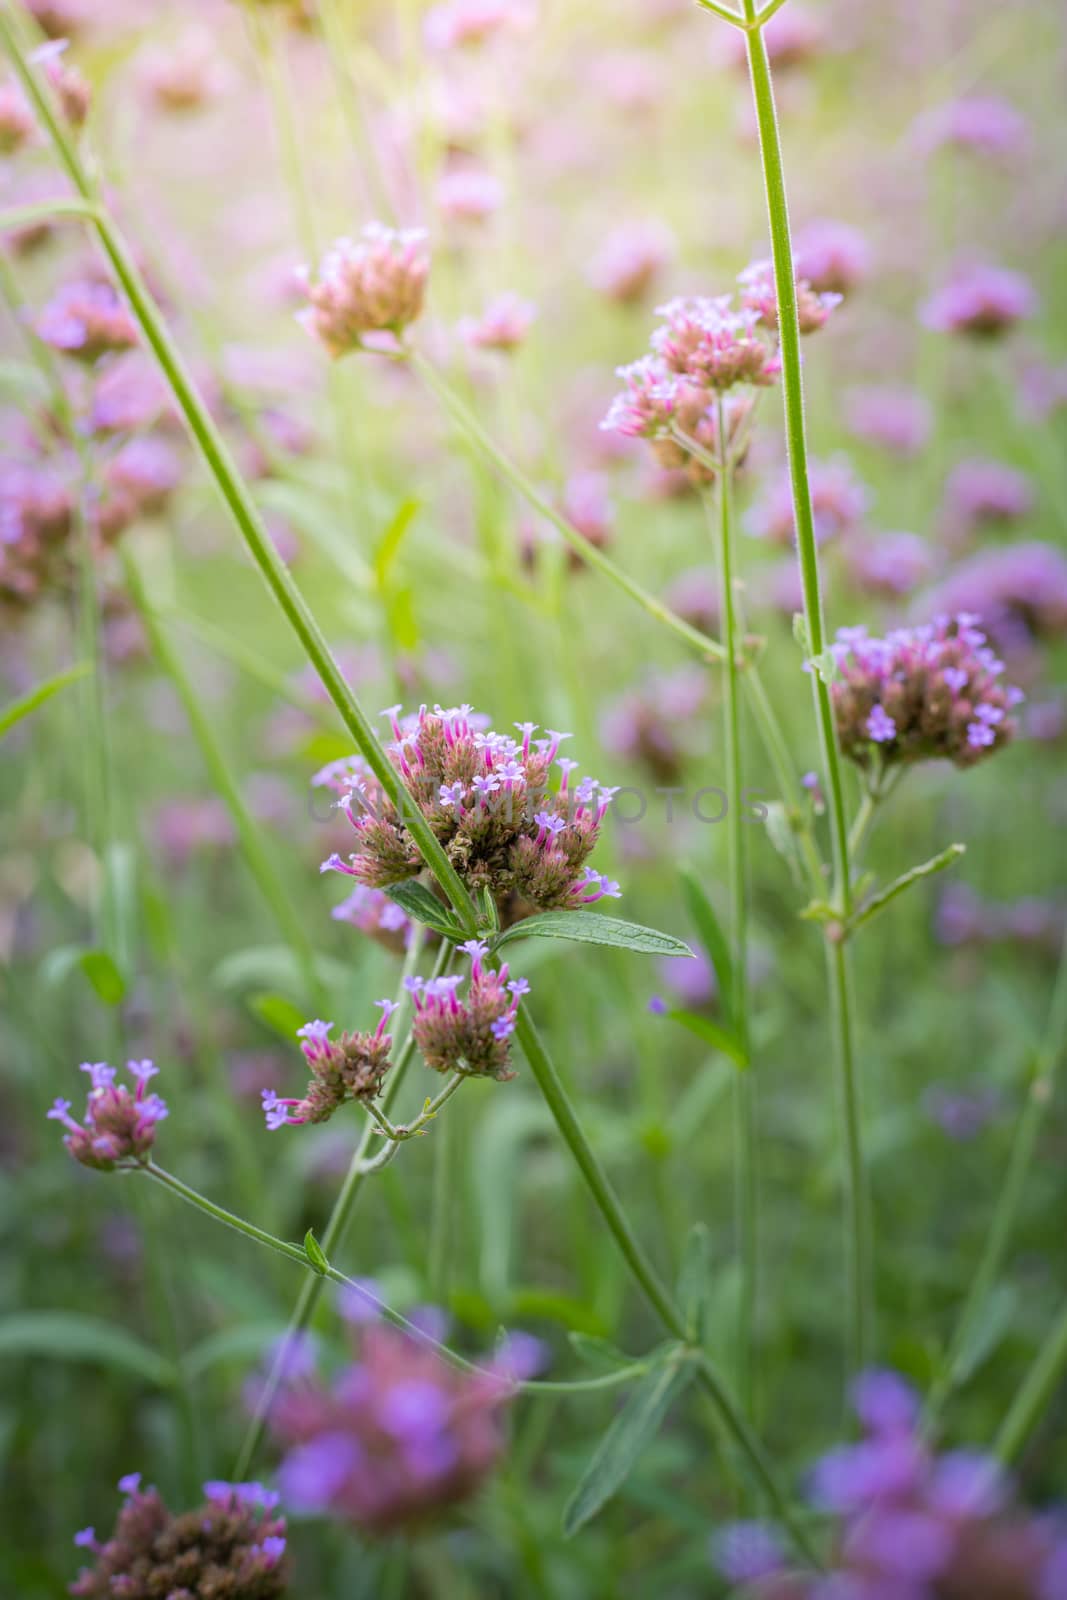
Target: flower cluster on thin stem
x: 119, y: 1127
x: 488, y: 800
x: 352, y: 1067
x: 469, y: 1036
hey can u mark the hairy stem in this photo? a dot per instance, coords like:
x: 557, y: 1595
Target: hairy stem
x: 744, y: 1089
x: 857, y: 1209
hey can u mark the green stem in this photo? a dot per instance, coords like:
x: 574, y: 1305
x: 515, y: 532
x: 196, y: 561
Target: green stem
x: 1038, y: 1387
x: 512, y: 474
x: 857, y: 1207
x: 289, y: 922
x: 359, y: 1168
x: 231, y: 485
x: 858, y: 1251
x: 1039, y: 1097
x: 645, y: 1275
x: 745, y: 1183
x: 192, y: 1197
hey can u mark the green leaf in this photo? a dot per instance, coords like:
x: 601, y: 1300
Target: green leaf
x: 422, y: 905
x: 588, y: 927
x: 782, y: 834
x: 104, y: 976
x: 694, y: 1282
x: 393, y: 538
x: 986, y: 1332
x: 633, y: 1429
x: 925, y: 869
x: 71, y: 1336
x: 14, y: 713
x: 599, y: 1353
x: 711, y: 935
x: 315, y: 1254
x: 278, y: 1014
x: 400, y: 616
x: 712, y: 1033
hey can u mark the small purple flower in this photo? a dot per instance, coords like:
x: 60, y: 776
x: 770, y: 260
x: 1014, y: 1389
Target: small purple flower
x: 881, y: 727
x: 980, y: 301
x: 119, y: 1127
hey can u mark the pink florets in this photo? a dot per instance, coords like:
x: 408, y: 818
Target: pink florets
x: 469, y: 194
x: 983, y: 123
x: 119, y: 1127
x: 473, y: 22
x: 503, y: 325
x: 714, y: 347
x: 373, y: 285
x: 838, y: 501
x: 394, y: 1439
x: 352, y: 1067
x: 833, y: 257
x: 87, y: 320
x: 980, y: 301
x: 469, y: 1035
x: 482, y: 793
x: 758, y: 294
x: 373, y: 913
x: 631, y: 259
x: 921, y: 694
x: 896, y: 418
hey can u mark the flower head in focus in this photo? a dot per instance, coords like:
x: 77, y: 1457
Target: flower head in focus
x: 758, y: 294
x: 921, y: 694
x: 119, y: 1127
x: 508, y: 812
x: 374, y: 285
x: 232, y: 1545
x: 352, y: 1067
x: 469, y: 1035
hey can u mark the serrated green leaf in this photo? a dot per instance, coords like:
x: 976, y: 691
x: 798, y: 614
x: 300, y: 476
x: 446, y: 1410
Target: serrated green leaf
x: 712, y: 1033
x: 711, y: 935
x: 104, y: 975
x: 71, y: 1336
x: 278, y: 1014
x: 633, y: 1429
x: 393, y: 538
x: 423, y: 906
x: 694, y: 1282
x: 13, y: 714
x: 588, y: 927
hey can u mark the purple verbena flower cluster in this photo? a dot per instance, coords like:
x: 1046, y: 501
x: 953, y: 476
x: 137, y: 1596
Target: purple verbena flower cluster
x: 487, y: 798
x: 704, y: 349
x: 36, y: 518
x: 394, y: 1439
x: 839, y: 500
x: 650, y: 722
x: 381, y: 919
x: 980, y: 301
x: 1020, y: 591
x: 910, y: 1524
x: 921, y: 693
x: 470, y: 1035
x: 373, y: 285
x: 87, y: 320
x: 352, y: 1067
x: 120, y: 1124
x: 230, y: 1548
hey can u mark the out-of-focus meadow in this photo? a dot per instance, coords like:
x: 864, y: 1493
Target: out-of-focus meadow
x: 591, y: 163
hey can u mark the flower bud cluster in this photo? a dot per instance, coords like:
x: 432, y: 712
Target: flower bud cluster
x: 231, y: 1548
x: 373, y: 285
x: 352, y: 1067
x: 119, y: 1128
x: 487, y: 798
x: 471, y: 1035
x: 921, y: 693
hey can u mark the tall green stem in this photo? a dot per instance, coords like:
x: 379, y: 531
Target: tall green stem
x: 745, y: 1182
x: 857, y: 1209
x: 231, y: 485
x: 645, y: 1275
x: 250, y: 838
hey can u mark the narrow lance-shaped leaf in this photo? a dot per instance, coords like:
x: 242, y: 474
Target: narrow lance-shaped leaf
x: 712, y: 1033
x: 711, y: 935
x: 72, y: 1336
x: 14, y: 713
x: 589, y: 927
x: 632, y: 1431
x: 694, y: 1282
x: 925, y: 869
